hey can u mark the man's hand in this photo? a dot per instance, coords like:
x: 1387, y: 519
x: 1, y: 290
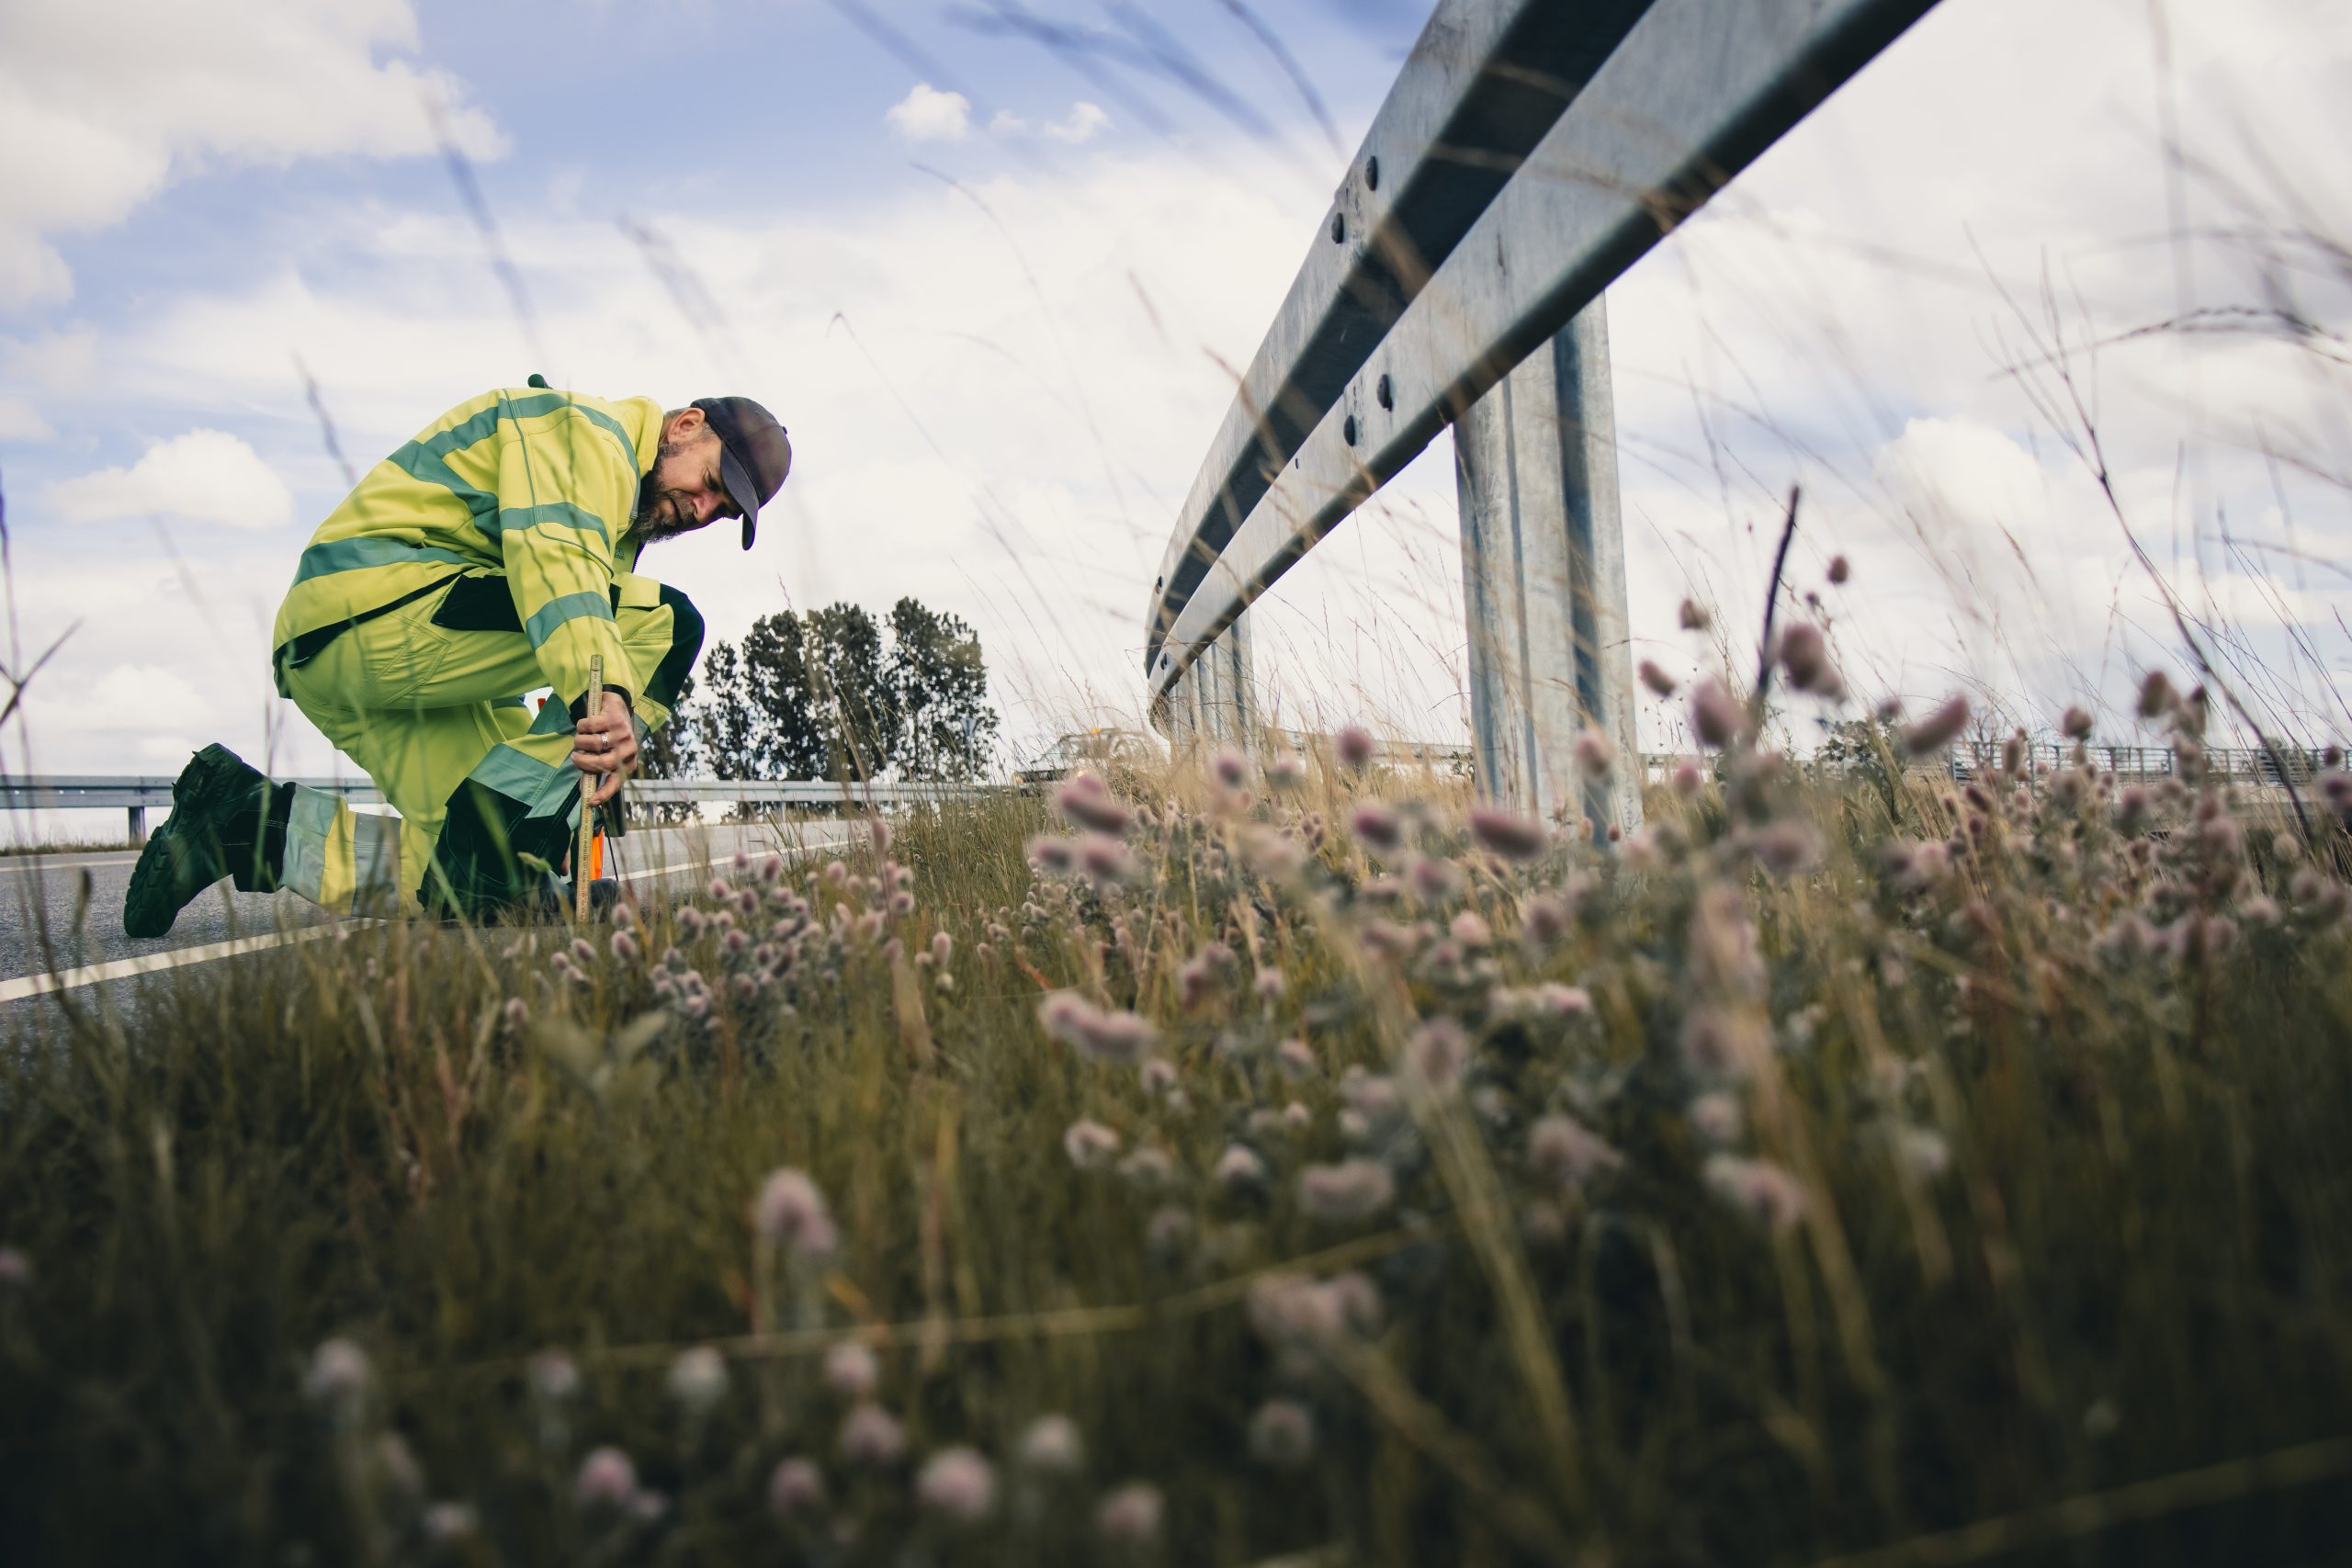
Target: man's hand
x: 606, y: 744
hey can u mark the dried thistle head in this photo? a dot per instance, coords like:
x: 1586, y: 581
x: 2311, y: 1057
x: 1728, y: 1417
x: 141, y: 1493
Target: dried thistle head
x: 1939, y: 729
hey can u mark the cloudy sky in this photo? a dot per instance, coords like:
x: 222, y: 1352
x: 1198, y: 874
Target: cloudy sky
x: 994, y: 288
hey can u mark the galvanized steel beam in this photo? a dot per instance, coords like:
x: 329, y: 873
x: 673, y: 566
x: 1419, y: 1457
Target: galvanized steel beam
x: 1484, y: 83
x: 1694, y: 93
x: 1544, y: 583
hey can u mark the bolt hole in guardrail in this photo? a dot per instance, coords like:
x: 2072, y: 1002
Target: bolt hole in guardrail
x: 1385, y: 392
x: 1372, y: 173
x: 1339, y: 228
x: 1347, y: 429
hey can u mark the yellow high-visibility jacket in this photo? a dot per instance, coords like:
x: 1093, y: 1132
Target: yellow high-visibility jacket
x: 536, y: 484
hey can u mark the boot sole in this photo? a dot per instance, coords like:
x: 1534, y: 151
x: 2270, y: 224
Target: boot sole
x: 157, y: 893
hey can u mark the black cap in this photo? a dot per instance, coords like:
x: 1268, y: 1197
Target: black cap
x: 754, y: 455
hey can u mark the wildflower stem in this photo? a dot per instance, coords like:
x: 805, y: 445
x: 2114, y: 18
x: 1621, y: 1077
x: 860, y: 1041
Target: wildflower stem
x: 1771, y: 608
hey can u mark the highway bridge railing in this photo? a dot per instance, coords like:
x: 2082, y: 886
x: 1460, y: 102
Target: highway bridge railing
x: 1529, y: 153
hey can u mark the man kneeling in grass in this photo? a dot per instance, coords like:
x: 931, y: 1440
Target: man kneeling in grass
x: 494, y: 553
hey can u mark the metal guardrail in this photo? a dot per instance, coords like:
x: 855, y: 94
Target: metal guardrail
x: 134, y: 794
x: 804, y: 792
x: 1530, y: 151
x: 2146, y: 764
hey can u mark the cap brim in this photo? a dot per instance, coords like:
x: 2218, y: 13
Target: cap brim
x: 741, y: 490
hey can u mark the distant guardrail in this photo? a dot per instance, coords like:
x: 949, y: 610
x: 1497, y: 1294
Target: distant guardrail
x: 134, y: 794
x: 2132, y: 764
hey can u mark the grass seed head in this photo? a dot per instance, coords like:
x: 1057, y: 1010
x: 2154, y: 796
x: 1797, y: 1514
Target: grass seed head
x: 448, y: 1524
x: 957, y: 1485
x: 554, y: 1377
x: 1239, y: 1168
x: 697, y: 1380
x: 1355, y: 746
x: 1087, y: 802
x: 1939, y: 729
x: 852, y: 1369
x: 1051, y: 1446
x: 1562, y: 1151
x: 1804, y: 654
x: 1758, y: 1188
x: 1509, y: 835
x: 606, y: 1480
x: 1282, y: 1434
x: 1436, y: 879
x: 1090, y: 1145
x: 339, y: 1374
x: 871, y: 1437
x: 1128, y: 1516
x: 1717, y: 718
x: 795, y: 1488
x: 1658, y: 680
x: 791, y: 1212
x: 1099, y: 1034
x: 1377, y: 827
x: 1347, y: 1194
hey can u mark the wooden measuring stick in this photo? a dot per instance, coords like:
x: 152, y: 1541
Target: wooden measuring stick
x: 587, y: 787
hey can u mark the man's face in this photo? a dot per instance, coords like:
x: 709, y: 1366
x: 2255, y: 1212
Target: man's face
x: 683, y: 493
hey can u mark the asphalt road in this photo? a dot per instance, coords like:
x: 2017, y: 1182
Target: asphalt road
x: 61, y: 916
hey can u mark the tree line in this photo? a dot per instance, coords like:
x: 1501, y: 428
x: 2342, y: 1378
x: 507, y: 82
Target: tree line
x: 835, y: 695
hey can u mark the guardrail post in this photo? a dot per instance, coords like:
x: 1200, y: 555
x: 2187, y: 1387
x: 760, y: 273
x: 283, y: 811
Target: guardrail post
x: 138, y: 823
x: 1221, y: 682
x: 1543, y: 582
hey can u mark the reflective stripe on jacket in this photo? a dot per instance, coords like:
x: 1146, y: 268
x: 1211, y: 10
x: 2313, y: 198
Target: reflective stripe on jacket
x: 539, y: 485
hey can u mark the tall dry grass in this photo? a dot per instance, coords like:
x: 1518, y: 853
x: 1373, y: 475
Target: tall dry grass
x: 1258, y: 1165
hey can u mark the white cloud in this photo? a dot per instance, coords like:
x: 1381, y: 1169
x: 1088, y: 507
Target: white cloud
x: 205, y: 476
x: 926, y: 114
x: 109, y: 105
x: 1081, y: 124
x: 21, y: 421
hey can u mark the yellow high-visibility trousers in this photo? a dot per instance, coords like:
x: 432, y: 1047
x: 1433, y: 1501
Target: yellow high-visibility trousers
x: 427, y: 698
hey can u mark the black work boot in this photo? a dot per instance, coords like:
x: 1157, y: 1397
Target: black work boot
x: 224, y: 819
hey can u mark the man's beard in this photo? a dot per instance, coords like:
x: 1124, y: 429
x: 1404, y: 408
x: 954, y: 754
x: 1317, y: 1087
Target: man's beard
x: 659, y: 513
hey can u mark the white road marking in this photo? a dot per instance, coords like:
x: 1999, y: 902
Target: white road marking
x: 153, y: 962
x: 37, y: 863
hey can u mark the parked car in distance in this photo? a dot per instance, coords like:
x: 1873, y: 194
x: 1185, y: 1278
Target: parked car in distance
x: 1103, y: 750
